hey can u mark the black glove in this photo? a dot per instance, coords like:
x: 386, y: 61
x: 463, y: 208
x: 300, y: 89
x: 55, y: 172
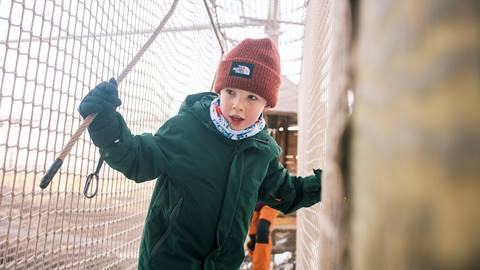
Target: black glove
x: 263, y: 231
x: 251, y: 243
x: 102, y: 100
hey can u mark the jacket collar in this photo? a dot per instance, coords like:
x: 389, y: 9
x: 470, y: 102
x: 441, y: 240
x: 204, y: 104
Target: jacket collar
x: 199, y: 104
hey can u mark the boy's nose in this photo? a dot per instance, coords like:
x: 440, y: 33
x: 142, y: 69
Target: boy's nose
x: 238, y: 105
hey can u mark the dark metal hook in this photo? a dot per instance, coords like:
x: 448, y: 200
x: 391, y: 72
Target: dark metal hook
x: 89, y: 181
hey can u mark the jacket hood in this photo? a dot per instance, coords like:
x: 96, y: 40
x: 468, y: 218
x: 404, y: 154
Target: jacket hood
x: 190, y: 100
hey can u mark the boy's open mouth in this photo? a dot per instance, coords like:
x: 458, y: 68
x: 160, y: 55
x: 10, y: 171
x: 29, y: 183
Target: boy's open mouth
x: 236, y: 118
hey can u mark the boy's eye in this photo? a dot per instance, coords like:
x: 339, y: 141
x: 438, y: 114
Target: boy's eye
x: 229, y: 91
x: 252, y: 97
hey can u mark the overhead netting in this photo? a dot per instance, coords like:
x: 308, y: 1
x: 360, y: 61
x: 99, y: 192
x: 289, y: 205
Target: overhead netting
x: 283, y: 20
x: 51, y: 54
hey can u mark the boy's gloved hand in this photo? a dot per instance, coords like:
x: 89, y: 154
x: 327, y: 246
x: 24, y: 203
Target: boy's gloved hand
x: 103, y: 100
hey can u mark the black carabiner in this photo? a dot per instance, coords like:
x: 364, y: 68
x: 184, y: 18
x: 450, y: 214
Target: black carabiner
x: 89, y: 181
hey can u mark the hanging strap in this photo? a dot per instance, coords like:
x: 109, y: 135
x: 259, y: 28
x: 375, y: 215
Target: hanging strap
x: 47, y: 178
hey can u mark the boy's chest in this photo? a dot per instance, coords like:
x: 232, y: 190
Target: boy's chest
x: 205, y: 156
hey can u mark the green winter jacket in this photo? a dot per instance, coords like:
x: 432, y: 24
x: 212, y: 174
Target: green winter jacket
x: 206, y: 189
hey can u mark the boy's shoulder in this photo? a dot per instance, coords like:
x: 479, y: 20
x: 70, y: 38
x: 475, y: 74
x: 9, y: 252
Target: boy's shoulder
x: 190, y: 100
x: 193, y: 108
x: 268, y: 143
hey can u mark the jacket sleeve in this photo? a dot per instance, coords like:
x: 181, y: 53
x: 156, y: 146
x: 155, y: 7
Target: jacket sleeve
x: 287, y: 193
x: 138, y: 157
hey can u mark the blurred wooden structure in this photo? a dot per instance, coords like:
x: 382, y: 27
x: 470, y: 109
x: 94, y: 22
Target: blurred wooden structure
x: 416, y: 146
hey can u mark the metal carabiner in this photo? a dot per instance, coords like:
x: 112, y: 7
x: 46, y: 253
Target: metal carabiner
x: 89, y: 181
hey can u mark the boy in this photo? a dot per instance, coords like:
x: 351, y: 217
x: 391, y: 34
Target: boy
x: 212, y: 161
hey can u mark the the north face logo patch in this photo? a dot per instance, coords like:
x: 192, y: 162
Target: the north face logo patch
x: 241, y: 69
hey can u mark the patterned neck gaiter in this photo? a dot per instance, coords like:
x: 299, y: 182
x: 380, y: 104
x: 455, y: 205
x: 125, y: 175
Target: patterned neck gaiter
x: 222, y: 124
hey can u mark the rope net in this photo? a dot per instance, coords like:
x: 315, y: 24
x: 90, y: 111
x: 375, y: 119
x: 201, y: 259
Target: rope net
x: 51, y: 54
x: 323, y: 111
x: 312, y: 140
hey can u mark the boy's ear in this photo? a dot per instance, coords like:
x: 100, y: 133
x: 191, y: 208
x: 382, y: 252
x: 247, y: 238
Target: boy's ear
x: 266, y: 108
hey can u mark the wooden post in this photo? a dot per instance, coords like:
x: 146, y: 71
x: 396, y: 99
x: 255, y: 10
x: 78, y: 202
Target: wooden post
x: 416, y: 146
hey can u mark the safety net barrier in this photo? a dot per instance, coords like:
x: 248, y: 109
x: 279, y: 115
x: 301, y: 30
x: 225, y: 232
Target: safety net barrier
x: 323, y: 112
x: 51, y: 54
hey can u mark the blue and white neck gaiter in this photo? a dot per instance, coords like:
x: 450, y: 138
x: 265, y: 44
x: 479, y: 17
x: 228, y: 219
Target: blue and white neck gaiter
x: 222, y: 124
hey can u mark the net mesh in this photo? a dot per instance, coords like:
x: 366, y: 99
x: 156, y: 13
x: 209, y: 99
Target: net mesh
x: 51, y: 54
x: 321, y: 233
x: 284, y: 21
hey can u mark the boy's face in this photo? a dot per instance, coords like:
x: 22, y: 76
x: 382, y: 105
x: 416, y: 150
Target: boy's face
x: 241, y: 108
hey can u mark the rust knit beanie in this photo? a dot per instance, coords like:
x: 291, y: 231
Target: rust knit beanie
x: 252, y: 65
